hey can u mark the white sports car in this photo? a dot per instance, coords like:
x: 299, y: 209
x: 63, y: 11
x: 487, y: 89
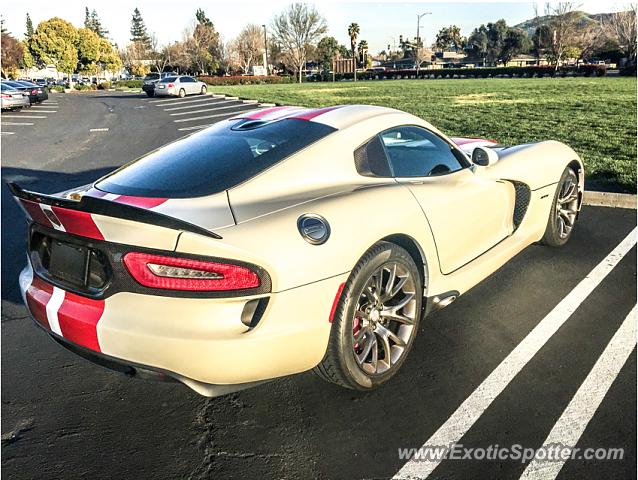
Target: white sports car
x: 284, y: 240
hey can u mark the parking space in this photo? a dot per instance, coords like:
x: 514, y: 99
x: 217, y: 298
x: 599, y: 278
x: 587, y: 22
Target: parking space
x: 541, y: 352
x: 195, y: 113
x: 14, y: 121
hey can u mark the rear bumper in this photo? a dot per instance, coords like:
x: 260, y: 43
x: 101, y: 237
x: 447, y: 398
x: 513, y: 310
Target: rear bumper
x: 148, y: 87
x: 165, y: 92
x: 14, y: 103
x: 198, y: 341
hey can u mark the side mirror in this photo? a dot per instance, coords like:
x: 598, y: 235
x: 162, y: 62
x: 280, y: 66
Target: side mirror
x: 484, y: 157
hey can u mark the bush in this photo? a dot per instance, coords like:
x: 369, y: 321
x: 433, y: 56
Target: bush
x: 104, y: 86
x: 128, y: 83
x: 485, y: 72
x: 244, y: 80
x: 85, y: 86
x: 57, y: 88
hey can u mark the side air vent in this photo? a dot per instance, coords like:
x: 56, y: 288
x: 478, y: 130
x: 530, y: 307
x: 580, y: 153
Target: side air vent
x: 522, y: 196
x: 248, y: 124
x: 370, y: 159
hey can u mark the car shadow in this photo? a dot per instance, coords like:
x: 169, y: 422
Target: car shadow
x: 14, y: 232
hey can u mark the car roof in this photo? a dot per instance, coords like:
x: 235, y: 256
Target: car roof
x: 337, y: 116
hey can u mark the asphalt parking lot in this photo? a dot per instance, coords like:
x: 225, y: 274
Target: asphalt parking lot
x: 508, y: 363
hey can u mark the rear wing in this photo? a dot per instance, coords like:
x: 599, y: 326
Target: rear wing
x: 75, y: 215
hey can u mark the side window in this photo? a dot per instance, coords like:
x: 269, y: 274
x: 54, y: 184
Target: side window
x: 370, y: 159
x: 416, y: 152
x: 187, y: 80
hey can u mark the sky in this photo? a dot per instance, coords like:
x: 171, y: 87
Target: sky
x: 381, y: 23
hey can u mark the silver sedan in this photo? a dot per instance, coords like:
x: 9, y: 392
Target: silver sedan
x: 179, y: 86
x: 13, y: 98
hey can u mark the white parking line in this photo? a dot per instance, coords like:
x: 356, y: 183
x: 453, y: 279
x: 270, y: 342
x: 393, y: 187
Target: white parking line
x: 174, y: 99
x: 98, y: 129
x: 473, y: 407
x: 16, y: 123
x: 7, y: 133
x: 211, y: 100
x: 24, y: 116
x: 207, y: 110
x: 212, y: 116
x: 572, y: 423
x: 168, y: 103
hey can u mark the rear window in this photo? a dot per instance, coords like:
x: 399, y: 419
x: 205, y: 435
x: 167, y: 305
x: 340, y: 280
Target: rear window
x: 152, y: 76
x: 168, y: 79
x: 213, y: 160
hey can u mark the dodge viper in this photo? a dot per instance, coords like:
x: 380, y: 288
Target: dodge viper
x: 285, y: 240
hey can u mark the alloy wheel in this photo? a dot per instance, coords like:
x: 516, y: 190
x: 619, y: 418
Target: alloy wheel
x: 566, y: 206
x: 384, y: 319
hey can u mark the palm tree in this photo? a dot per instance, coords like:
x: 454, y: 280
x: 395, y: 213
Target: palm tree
x: 353, y: 33
x: 363, y: 52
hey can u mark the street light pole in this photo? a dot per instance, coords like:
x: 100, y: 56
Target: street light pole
x: 416, y: 40
x: 265, y: 50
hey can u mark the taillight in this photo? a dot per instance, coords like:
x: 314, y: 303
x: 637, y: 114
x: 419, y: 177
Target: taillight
x: 6, y: 96
x: 175, y: 273
x: 34, y: 91
x: 170, y: 85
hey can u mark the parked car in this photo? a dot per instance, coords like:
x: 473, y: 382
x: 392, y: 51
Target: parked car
x: 287, y: 239
x: 31, y: 92
x: 41, y: 92
x: 12, y: 98
x: 180, y: 86
x: 150, y: 81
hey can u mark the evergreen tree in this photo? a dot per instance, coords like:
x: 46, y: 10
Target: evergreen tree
x: 96, y: 25
x: 202, y: 18
x: 138, y: 30
x: 29, y: 32
x: 87, y: 18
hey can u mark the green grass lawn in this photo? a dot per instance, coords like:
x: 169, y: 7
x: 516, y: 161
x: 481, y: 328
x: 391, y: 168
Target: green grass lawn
x: 595, y: 116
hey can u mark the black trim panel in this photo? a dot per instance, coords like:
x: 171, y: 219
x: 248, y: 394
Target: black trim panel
x: 107, y: 208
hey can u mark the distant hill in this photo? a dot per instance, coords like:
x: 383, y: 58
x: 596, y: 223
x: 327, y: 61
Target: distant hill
x: 530, y: 25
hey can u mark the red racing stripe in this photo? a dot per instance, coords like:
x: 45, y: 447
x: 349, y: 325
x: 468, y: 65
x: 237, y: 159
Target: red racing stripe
x: 38, y: 295
x: 262, y: 113
x: 310, y: 114
x: 78, y: 223
x: 78, y: 317
x: 36, y: 213
x: 142, y: 202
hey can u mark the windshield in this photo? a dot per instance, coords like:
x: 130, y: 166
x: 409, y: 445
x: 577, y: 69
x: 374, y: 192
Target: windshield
x: 213, y: 160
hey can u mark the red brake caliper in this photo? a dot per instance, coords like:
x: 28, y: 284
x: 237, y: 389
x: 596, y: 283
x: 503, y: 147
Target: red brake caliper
x: 356, y: 326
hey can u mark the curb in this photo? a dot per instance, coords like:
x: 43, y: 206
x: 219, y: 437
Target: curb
x: 608, y: 199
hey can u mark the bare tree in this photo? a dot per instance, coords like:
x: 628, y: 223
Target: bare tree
x: 564, y: 25
x: 294, y: 29
x: 248, y: 47
x: 621, y: 26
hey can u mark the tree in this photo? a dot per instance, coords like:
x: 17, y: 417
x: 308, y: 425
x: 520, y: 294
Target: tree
x: 88, y: 45
x: 353, y: 33
x: 622, y: 28
x: 95, y: 24
x: 27, y: 59
x: 297, y: 27
x: 563, y: 25
x: 202, y: 19
x: 87, y: 18
x: 449, y: 38
x: 362, y: 50
x: 515, y: 42
x: 139, y: 34
x: 202, y: 45
x: 329, y: 49
x: 12, y: 54
x: 541, y: 41
x: 55, y: 43
x: 109, y: 58
x: 29, y: 33
x: 496, y: 33
x: 478, y: 43
x: 248, y: 47
x: 133, y: 57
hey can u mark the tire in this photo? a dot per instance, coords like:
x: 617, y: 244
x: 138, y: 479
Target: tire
x: 150, y: 93
x: 349, y: 360
x: 182, y: 93
x: 562, y: 217
x: 203, y: 92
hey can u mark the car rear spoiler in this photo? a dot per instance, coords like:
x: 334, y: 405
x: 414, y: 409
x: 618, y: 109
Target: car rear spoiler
x: 99, y: 206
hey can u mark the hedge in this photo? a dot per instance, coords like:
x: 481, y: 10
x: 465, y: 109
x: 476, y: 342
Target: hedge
x: 129, y: 83
x: 244, y: 80
x: 490, y: 72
